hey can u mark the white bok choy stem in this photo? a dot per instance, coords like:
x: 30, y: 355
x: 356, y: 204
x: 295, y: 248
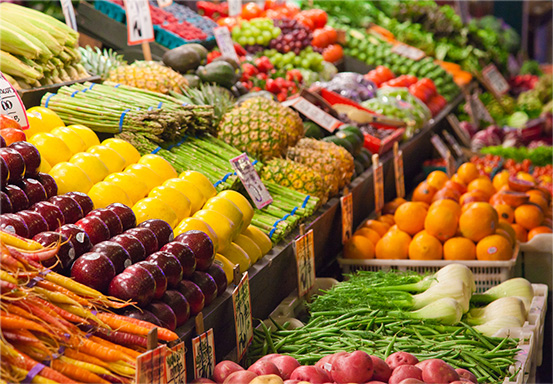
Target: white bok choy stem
x: 491, y: 327
x: 502, y: 307
x: 518, y: 286
x: 454, y: 289
x: 446, y: 311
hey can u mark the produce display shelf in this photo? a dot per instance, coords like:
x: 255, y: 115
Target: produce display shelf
x: 32, y: 97
x: 274, y: 277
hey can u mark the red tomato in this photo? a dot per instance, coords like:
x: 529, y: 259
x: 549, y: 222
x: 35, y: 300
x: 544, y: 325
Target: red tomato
x: 11, y: 135
x: 251, y: 10
x: 320, y: 38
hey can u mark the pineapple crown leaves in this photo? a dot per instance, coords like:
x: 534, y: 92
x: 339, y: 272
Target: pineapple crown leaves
x: 100, y: 62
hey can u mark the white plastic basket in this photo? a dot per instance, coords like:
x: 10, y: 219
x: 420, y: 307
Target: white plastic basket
x: 487, y: 274
x: 536, y: 319
x: 542, y: 243
x: 523, y: 364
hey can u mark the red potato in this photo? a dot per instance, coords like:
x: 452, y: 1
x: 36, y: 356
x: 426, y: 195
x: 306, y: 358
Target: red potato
x: 376, y: 382
x: 466, y: 374
x: 326, y: 362
x: 423, y: 363
x: 286, y: 365
x: 405, y: 372
x: 311, y: 374
x: 240, y: 377
x: 400, y: 358
x: 381, y: 370
x: 267, y: 379
x: 269, y: 357
x: 411, y: 381
x: 355, y: 367
x: 291, y: 381
x: 264, y: 368
x: 203, y: 380
x: 224, y: 369
x: 439, y: 372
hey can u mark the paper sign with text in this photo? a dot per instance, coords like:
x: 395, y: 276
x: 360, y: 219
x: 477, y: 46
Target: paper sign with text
x: 454, y: 144
x: 69, y: 14
x: 243, y: 323
x: 378, y: 180
x: 495, y: 80
x: 234, y: 7
x: 347, y: 216
x: 176, y: 364
x: 450, y: 164
x: 139, y: 22
x: 408, y: 51
x: 164, y: 3
x: 224, y: 42
x: 312, y: 112
x: 462, y: 135
x: 398, y: 171
x: 251, y: 181
x: 476, y: 109
x: 203, y: 354
x: 440, y: 146
x: 150, y: 367
x: 305, y: 262
x: 11, y: 104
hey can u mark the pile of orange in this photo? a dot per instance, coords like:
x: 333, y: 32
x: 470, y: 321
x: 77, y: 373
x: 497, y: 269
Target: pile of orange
x: 465, y: 217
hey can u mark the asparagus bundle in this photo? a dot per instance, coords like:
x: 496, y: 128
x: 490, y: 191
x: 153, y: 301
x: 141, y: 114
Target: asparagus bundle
x: 38, y: 51
x: 112, y: 108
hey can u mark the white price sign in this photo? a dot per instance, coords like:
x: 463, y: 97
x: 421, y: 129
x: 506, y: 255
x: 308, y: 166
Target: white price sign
x: 312, y: 112
x: 440, y: 146
x: 176, y: 364
x: 408, y: 51
x: 69, y: 14
x: 251, y: 180
x: 378, y: 181
x: 11, y: 104
x: 203, y: 354
x: 454, y: 144
x: 151, y: 368
x: 164, y: 3
x: 347, y: 216
x: 139, y: 22
x: 305, y: 261
x: 234, y: 7
x: 243, y: 323
x: 225, y: 44
x: 398, y: 170
x: 495, y: 80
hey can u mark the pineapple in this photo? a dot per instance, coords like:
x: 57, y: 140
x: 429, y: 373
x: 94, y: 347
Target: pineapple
x: 320, y: 162
x: 297, y: 176
x: 149, y: 75
x: 262, y: 127
x: 100, y: 63
x: 221, y: 98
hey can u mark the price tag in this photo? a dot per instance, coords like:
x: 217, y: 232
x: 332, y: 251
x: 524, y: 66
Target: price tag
x: 251, y: 180
x: 378, y: 180
x: 11, y: 104
x: 454, y: 144
x: 462, y: 135
x: 139, y: 22
x: 312, y: 112
x: 242, y: 303
x: 450, y: 164
x: 203, y: 354
x: 69, y: 14
x: 408, y: 51
x: 150, y: 367
x: 495, y: 80
x: 398, y: 170
x: 476, y: 109
x: 234, y: 7
x: 440, y: 146
x: 305, y: 261
x: 347, y: 216
x: 224, y: 42
x: 176, y: 364
x: 164, y: 3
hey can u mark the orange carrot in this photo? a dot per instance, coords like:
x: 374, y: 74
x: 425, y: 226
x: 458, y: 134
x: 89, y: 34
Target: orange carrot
x: 58, y: 288
x: 16, y: 322
x: 73, y: 354
x: 131, y: 352
x: 42, y: 314
x: 24, y: 336
x: 131, y: 325
x: 77, y: 373
x: 61, y: 312
x: 101, y: 351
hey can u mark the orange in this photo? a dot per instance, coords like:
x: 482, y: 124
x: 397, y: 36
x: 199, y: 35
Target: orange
x: 461, y: 188
x: 536, y: 231
x: 521, y: 233
x: 424, y: 192
x: 482, y: 184
x: 508, y: 229
x: 441, y: 222
x: 538, y: 192
x: 478, y: 221
x: 409, y: 217
x: 467, y: 172
x: 459, y: 248
x: 505, y: 212
x: 494, y: 248
x: 370, y: 234
x: 529, y: 216
x: 497, y: 199
x: 425, y: 247
x: 378, y: 226
x: 391, y: 206
x: 388, y: 219
x: 393, y: 245
x: 539, y: 200
x: 526, y: 177
x: 500, y: 180
x: 455, y: 178
x: 502, y: 232
x: 447, y: 193
x: 473, y: 197
x: 453, y: 205
x: 437, y: 179
x: 359, y: 247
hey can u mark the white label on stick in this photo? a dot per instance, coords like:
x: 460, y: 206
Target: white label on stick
x: 176, y: 364
x: 139, y: 22
x: 305, y: 262
x: 151, y: 368
x: 495, y: 80
x: 347, y: 216
x: 234, y: 7
x: 408, y: 51
x: 440, y: 146
x: 312, y: 112
x: 203, y: 354
x: 164, y: 3
x: 69, y: 14
x: 225, y: 44
x: 242, y: 304
x: 251, y: 180
x: 11, y: 103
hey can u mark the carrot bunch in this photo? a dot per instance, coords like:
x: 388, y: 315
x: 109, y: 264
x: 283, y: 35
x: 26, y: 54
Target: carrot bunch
x: 60, y: 330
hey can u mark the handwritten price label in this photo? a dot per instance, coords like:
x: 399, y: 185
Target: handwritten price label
x: 69, y: 14
x: 150, y: 367
x: 234, y: 7
x: 139, y: 22
x: 476, y: 109
x: 440, y: 146
x: 203, y: 354
x: 305, y: 262
x: 311, y: 111
x: 224, y: 42
x: 495, y: 80
x: 347, y: 216
x: 454, y: 144
x: 408, y: 51
x: 251, y: 180
x: 450, y: 164
x: 398, y: 170
x: 462, y: 135
x: 242, y: 303
x: 176, y: 364
x: 11, y: 104
x: 378, y: 179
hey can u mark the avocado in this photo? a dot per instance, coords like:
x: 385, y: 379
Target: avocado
x: 202, y: 51
x: 359, y: 169
x: 363, y: 159
x: 218, y: 72
x: 229, y: 60
x: 354, y: 140
x: 341, y: 142
x: 312, y: 130
x: 182, y: 59
x: 193, y: 80
x: 354, y: 129
x: 367, y: 152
